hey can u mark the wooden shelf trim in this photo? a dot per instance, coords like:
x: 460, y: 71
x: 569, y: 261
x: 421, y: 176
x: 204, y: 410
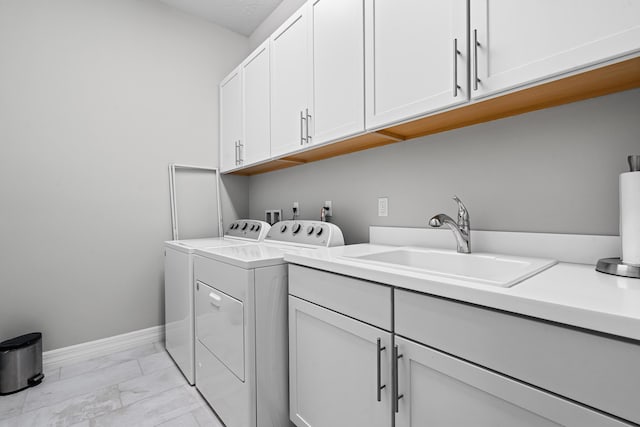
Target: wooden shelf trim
x: 609, y: 79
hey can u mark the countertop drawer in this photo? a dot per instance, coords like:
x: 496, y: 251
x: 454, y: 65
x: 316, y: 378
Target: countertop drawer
x: 596, y: 370
x: 365, y: 301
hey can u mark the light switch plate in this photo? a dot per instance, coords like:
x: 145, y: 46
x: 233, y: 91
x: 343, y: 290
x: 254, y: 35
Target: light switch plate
x: 383, y: 206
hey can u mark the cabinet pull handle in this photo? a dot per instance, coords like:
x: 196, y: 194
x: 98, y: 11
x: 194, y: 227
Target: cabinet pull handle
x: 302, y: 119
x: 379, y: 372
x: 456, y: 52
x: 236, y: 152
x: 308, y: 120
x: 476, y: 43
x: 240, y: 150
x: 397, y: 396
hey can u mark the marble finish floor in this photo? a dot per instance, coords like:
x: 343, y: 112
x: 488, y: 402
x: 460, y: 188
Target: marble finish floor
x: 137, y: 387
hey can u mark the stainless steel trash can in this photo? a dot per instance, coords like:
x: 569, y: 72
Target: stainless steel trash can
x: 20, y: 363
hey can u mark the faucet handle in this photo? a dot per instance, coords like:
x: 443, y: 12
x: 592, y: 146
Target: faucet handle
x: 463, y: 213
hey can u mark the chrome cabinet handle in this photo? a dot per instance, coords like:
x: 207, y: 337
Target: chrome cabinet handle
x: 302, y: 119
x: 456, y: 52
x: 476, y: 43
x: 397, y: 396
x: 379, y: 386
x: 236, y: 152
x: 240, y: 152
x: 308, y: 120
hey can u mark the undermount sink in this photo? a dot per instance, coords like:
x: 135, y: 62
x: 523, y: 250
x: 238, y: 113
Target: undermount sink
x: 496, y: 270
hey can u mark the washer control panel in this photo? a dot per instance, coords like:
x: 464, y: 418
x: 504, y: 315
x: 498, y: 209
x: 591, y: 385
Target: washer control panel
x: 314, y: 233
x: 248, y: 229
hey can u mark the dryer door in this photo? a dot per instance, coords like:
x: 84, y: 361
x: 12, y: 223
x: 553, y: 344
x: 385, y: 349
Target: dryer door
x: 220, y: 327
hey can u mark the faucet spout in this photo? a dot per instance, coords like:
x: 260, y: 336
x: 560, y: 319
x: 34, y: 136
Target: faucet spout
x: 461, y: 229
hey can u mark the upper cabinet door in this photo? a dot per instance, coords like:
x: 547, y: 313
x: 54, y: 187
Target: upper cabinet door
x: 338, y: 69
x: 256, y: 106
x: 230, y: 120
x: 290, y: 84
x: 514, y: 43
x: 416, y: 58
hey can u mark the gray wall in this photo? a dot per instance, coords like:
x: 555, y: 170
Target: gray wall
x: 273, y: 21
x: 96, y: 98
x: 554, y: 170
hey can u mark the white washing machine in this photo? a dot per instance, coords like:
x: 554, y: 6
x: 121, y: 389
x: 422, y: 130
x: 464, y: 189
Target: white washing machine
x: 178, y: 288
x: 241, y: 323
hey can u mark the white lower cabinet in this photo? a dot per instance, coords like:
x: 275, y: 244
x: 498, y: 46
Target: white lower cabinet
x: 440, y: 390
x: 337, y: 365
x: 426, y: 365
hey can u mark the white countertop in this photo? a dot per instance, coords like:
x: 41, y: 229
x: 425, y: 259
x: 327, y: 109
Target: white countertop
x: 571, y: 294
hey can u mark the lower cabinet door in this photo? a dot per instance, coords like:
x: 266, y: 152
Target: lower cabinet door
x: 337, y: 365
x: 438, y: 390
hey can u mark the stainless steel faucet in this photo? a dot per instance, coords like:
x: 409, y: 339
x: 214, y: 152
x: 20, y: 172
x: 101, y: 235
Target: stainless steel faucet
x: 461, y: 229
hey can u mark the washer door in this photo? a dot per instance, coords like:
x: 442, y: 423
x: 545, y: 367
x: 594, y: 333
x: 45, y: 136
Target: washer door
x: 220, y: 326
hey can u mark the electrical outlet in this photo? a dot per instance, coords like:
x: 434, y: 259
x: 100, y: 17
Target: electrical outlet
x: 296, y: 205
x: 329, y: 208
x: 383, y: 206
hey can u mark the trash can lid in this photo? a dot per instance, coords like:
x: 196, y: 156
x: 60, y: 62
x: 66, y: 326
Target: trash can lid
x: 20, y: 342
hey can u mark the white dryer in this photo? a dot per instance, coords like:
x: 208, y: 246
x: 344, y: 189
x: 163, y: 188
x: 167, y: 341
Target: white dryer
x: 178, y: 288
x: 241, y: 323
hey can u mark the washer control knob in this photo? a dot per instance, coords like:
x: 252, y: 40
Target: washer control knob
x: 253, y: 227
x: 310, y: 230
x: 257, y: 227
x: 296, y: 228
x: 283, y: 228
x: 244, y: 226
x: 320, y: 231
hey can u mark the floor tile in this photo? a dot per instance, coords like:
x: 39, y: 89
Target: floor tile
x: 142, y: 387
x: 205, y: 417
x: 11, y: 405
x: 107, y: 361
x: 70, y: 412
x: 186, y: 420
x: 47, y: 394
x: 152, y: 411
x: 51, y: 375
x: 155, y: 362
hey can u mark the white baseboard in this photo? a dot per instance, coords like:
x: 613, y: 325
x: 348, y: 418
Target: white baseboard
x: 76, y: 353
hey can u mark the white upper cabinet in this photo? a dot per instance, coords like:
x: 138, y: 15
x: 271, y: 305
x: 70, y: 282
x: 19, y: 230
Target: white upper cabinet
x: 290, y: 84
x: 256, y: 119
x: 230, y: 120
x: 338, y: 69
x: 520, y: 42
x: 416, y: 58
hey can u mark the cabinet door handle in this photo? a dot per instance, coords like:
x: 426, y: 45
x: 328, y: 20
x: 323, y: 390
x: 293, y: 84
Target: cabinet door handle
x: 236, y: 152
x: 240, y: 152
x: 476, y: 43
x: 397, y: 395
x: 308, y: 120
x: 302, y: 119
x: 379, y: 387
x: 456, y: 52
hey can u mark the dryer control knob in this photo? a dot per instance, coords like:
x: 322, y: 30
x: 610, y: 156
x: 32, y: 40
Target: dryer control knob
x: 296, y: 228
x: 257, y: 227
x: 283, y: 228
x: 310, y: 230
x: 244, y: 226
x: 253, y: 227
x: 319, y: 232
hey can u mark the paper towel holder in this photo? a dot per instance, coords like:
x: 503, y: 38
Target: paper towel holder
x: 616, y: 267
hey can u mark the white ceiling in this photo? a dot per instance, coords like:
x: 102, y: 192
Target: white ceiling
x: 241, y: 16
